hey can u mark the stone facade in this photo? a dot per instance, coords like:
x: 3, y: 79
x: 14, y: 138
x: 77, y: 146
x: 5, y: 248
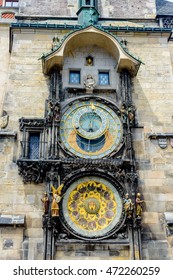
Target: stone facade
x: 23, y: 91
x: 4, y: 62
x: 106, y: 8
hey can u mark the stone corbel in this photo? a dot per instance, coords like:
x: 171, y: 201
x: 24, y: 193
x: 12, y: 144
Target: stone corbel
x: 31, y: 172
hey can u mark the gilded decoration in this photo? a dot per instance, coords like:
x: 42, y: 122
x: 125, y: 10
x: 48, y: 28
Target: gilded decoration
x: 56, y: 200
x: 94, y: 206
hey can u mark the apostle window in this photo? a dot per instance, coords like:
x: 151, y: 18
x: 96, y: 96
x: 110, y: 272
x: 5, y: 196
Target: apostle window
x: 104, y: 78
x: 74, y: 77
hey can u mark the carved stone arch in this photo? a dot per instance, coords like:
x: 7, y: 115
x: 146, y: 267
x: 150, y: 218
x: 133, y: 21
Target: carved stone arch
x: 87, y: 36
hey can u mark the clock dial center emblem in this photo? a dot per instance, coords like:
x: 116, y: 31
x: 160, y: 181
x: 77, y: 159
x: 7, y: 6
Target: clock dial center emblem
x: 92, y: 205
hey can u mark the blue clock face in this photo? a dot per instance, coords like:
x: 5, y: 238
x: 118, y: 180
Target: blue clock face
x: 90, y: 122
x: 90, y: 129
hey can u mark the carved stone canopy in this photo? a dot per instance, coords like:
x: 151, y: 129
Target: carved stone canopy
x: 87, y: 36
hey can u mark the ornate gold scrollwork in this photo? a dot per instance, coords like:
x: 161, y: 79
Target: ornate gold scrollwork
x: 92, y: 206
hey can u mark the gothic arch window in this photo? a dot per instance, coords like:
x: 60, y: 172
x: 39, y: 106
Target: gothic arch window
x: 74, y: 77
x: 104, y: 78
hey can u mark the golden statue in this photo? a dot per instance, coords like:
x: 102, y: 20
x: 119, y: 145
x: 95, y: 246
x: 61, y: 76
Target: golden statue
x: 128, y: 205
x: 139, y: 204
x: 89, y: 61
x: 55, y: 200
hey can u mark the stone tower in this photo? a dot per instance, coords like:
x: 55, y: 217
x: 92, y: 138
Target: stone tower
x: 86, y: 130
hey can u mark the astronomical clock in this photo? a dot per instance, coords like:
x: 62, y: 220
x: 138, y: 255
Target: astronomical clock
x: 83, y: 148
x: 92, y: 207
x: 91, y: 129
x: 88, y: 167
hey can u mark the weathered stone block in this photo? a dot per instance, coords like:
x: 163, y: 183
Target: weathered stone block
x: 8, y: 244
x: 169, y: 206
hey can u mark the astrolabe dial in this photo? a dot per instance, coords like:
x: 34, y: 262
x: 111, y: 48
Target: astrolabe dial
x: 90, y: 129
x: 90, y: 122
x: 92, y: 207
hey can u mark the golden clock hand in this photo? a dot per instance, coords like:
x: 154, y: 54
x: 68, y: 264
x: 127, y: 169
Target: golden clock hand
x: 92, y: 106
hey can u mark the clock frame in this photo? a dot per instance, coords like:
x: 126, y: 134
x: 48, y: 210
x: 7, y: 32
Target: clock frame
x: 91, y: 129
x: 92, y: 206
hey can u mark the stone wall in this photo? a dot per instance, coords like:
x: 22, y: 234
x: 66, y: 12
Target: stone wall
x: 17, y: 198
x: 92, y: 251
x: 4, y: 62
x: 125, y: 9
x: 106, y: 8
x: 27, y: 87
x: 26, y: 91
x: 153, y: 98
x: 171, y: 52
x: 25, y: 94
x: 11, y: 243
